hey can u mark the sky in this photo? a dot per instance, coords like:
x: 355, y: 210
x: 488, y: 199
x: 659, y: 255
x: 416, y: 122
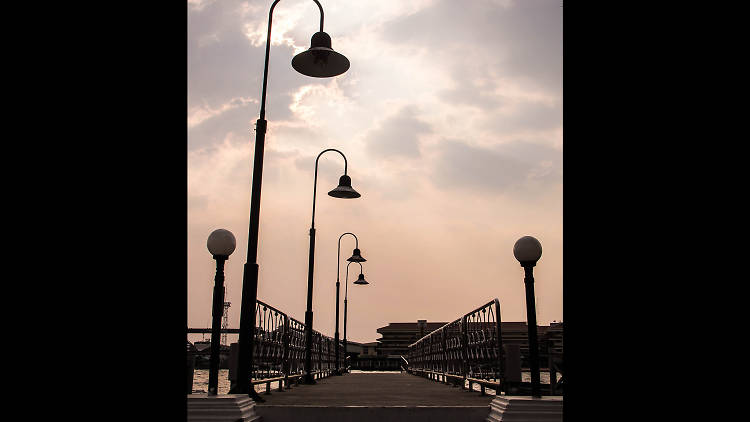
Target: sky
x: 450, y: 118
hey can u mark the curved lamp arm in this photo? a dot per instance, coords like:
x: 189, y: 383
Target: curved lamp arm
x: 338, y: 256
x: 315, y: 183
x: 268, y: 49
x: 346, y: 281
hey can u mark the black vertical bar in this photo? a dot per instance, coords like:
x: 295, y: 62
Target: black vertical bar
x: 500, y: 357
x: 464, y: 351
x: 337, y: 327
x: 533, y: 343
x: 217, y: 311
x: 309, y: 313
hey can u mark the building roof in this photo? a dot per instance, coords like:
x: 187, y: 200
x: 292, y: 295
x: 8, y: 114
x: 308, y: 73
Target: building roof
x: 410, y: 326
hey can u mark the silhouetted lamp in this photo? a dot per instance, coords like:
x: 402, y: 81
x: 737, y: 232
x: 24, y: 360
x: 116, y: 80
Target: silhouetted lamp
x: 356, y: 257
x: 361, y: 281
x: 221, y: 244
x: 343, y: 190
x: 527, y: 251
x: 320, y: 60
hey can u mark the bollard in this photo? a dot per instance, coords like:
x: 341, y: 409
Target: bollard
x: 234, y: 356
x: 190, y: 372
x: 512, y: 367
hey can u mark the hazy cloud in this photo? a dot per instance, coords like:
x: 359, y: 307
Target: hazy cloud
x: 502, y: 169
x: 397, y: 135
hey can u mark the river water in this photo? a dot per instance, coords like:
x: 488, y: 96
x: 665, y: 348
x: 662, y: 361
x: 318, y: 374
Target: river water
x: 200, y: 380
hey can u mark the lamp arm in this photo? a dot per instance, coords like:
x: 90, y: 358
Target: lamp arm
x: 338, y: 255
x: 315, y: 182
x: 268, y: 49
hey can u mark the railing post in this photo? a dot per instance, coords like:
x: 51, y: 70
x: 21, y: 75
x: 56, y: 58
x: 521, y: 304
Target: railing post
x: 286, y: 351
x: 464, y: 352
x: 444, y: 346
x: 501, y: 361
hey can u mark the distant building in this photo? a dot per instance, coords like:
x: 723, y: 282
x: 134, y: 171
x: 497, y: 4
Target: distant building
x: 370, y: 349
x: 397, y: 336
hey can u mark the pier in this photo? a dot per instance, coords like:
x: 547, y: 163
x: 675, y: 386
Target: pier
x: 460, y: 371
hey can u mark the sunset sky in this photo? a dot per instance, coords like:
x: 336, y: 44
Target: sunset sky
x: 450, y: 117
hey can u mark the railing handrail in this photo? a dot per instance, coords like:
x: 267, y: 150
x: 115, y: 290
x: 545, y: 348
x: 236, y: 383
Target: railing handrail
x: 493, y: 301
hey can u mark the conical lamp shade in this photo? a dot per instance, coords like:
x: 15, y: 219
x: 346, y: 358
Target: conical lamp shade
x: 344, y: 189
x: 356, y: 257
x: 320, y: 61
x: 361, y: 279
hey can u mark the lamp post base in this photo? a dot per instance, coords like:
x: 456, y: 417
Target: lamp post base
x: 255, y: 396
x: 309, y: 379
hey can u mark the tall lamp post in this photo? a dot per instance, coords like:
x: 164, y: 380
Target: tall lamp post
x: 320, y: 61
x: 356, y: 257
x: 343, y: 190
x: 527, y: 251
x: 221, y: 244
x: 360, y: 280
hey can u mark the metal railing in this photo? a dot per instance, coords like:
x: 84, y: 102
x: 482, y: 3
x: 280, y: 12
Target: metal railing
x: 468, y: 349
x: 279, y: 350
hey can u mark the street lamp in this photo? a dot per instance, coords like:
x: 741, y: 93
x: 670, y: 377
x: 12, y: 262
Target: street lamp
x: 319, y: 61
x: 360, y: 280
x: 356, y: 257
x: 343, y: 190
x: 221, y: 244
x: 527, y: 251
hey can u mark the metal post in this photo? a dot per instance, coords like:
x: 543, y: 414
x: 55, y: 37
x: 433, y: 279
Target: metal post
x: 250, y: 275
x: 309, y: 379
x: 533, y: 344
x: 286, y: 351
x: 217, y: 312
x: 500, y: 358
x: 464, y: 351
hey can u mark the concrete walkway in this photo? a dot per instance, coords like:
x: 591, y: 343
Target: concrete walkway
x: 374, y: 397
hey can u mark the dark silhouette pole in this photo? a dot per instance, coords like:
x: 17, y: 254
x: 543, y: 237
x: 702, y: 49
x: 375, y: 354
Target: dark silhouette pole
x: 527, y: 251
x: 356, y: 257
x: 221, y: 244
x: 319, y: 61
x: 360, y: 280
x: 344, y: 190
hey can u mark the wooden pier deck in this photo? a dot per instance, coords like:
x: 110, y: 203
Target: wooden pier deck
x: 366, y: 397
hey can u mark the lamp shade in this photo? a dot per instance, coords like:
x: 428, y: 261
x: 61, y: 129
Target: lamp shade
x: 320, y: 61
x: 361, y: 279
x: 344, y: 189
x: 221, y: 242
x: 527, y: 250
x: 356, y: 257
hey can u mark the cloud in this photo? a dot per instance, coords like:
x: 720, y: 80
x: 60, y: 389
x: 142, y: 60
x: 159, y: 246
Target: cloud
x: 505, y: 169
x: 520, y: 39
x: 397, y: 135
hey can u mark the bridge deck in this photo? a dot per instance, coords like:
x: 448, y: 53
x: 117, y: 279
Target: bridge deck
x: 376, y: 390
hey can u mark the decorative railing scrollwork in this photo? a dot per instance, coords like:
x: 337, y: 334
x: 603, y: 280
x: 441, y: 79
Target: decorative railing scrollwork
x: 467, y: 348
x: 279, y: 349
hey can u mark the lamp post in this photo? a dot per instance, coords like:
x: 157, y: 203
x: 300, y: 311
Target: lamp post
x: 360, y: 280
x: 356, y: 257
x: 320, y: 61
x: 527, y: 251
x: 221, y: 244
x: 343, y: 190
